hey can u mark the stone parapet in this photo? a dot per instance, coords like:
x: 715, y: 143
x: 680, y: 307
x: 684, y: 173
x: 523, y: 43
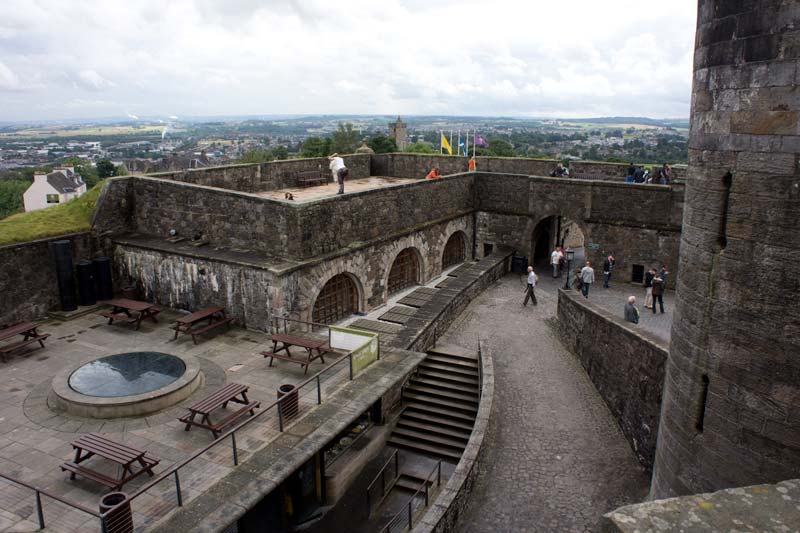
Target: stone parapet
x: 754, y: 508
x: 625, y: 364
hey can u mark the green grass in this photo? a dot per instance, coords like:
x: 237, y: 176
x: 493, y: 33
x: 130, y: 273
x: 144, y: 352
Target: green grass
x: 70, y: 217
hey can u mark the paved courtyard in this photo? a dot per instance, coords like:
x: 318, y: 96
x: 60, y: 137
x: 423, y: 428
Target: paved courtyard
x: 557, y: 461
x: 35, y: 440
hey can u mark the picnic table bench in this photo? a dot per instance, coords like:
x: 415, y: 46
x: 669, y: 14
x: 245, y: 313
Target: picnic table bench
x: 311, y: 346
x: 122, y: 308
x: 29, y: 336
x: 191, y: 323
x: 126, y: 457
x: 307, y: 179
x: 232, y: 392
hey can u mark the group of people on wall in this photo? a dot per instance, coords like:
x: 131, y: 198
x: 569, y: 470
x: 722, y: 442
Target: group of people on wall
x: 655, y: 282
x: 639, y: 174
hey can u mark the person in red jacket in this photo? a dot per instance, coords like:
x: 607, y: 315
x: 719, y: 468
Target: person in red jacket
x: 434, y: 173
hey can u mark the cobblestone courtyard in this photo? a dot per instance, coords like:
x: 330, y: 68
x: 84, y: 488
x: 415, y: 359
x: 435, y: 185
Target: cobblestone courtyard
x: 556, y: 459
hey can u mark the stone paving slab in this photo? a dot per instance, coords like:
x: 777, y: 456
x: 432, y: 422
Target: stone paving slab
x: 35, y: 439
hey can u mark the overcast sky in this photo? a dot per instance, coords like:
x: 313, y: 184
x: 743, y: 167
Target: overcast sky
x: 100, y: 58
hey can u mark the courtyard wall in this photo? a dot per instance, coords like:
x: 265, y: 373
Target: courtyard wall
x: 28, y: 276
x: 625, y: 364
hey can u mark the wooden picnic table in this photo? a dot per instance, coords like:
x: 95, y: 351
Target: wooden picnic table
x: 28, y: 332
x: 286, y: 341
x: 126, y: 457
x: 191, y: 323
x: 122, y: 308
x: 232, y: 392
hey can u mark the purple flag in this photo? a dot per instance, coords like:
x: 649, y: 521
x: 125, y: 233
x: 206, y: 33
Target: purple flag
x: 480, y: 142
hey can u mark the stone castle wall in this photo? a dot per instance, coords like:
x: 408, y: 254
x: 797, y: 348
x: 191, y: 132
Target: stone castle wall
x: 28, y: 272
x: 252, y: 293
x: 639, y: 224
x: 625, y: 364
x: 732, y: 394
x: 260, y: 177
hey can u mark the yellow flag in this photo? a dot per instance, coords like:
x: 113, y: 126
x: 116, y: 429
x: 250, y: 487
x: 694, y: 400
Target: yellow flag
x: 446, y: 145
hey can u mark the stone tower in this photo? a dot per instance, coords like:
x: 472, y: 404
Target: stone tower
x: 731, y: 407
x: 397, y: 131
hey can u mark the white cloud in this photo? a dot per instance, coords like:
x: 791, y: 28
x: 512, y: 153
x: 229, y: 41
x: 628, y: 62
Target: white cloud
x: 520, y: 57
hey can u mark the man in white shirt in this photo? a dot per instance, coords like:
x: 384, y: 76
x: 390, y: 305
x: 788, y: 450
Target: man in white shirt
x: 555, y: 261
x: 338, y: 170
x: 587, y: 277
x: 529, y: 295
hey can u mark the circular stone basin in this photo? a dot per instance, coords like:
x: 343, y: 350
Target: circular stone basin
x: 126, y: 384
x: 126, y: 374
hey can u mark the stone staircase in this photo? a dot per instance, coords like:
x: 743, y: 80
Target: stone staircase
x: 440, y: 404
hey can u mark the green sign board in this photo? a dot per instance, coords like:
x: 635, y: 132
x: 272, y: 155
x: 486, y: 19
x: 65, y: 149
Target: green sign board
x: 365, y: 355
x: 593, y: 246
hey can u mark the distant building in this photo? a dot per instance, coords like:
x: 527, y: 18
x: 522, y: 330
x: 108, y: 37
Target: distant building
x: 397, y: 131
x: 52, y: 189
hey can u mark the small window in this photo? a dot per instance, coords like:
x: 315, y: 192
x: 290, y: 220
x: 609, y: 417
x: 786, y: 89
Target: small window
x: 637, y: 276
x: 52, y: 198
x: 487, y: 249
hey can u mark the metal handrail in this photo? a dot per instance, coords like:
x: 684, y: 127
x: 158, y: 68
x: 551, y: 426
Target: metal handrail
x: 408, y: 508
x: 39, y: 492
x: 174, y: 468
x: 480, y: 370
x: 395, y: 457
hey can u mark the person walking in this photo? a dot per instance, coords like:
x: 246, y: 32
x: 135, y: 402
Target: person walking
x: 608, y: 266
x: 587, y: 278
x: 663, y: 273
x: 555, y: 261
x: 339, y: 171
x: 529, y: 294
x: 648, y: 288
x: 631, y: 312
x: 658, y: 293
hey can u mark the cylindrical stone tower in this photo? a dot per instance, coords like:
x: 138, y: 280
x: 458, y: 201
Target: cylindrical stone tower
x: 731, y: 407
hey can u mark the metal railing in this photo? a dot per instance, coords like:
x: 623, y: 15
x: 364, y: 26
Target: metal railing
x: 394, y: 460
x: 283, y: 407
x: 404, y: 519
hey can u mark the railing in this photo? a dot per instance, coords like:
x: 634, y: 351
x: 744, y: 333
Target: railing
x: 283, y: 409
x: 480, y: 370
x: 40, y: 507
x: 404, y: 519
x: 394, y: 459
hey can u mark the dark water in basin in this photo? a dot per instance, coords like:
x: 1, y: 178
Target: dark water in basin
x: 126, y: 374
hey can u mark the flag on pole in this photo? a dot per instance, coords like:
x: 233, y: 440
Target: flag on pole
x: 460, y: 144
x: 480, y: 142
x: 446, y: 145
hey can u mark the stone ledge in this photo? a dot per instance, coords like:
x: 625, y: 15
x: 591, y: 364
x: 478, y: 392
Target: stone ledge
x: 230, y: 498
x: 754, y: 508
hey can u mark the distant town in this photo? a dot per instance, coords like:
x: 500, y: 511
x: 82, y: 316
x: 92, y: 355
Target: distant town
x: 102, y: 148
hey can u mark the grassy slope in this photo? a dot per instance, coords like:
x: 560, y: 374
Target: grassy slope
x: 69, y: 217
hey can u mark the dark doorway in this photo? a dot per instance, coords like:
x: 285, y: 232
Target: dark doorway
x: 404, y: 272
x: 454, y: 250
x: 542, y: 241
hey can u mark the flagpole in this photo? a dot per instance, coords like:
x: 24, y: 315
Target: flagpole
x: 441, y: 146
x: 474, y: 143
x: 466, y: 149
x: 451, y: 142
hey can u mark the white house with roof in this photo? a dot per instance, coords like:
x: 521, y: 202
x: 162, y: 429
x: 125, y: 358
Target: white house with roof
x: 52, y: 189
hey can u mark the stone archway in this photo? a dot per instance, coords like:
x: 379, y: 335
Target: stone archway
x: 404, y: 272
x: 552, y: 231
x: 455, y: 251
x: 338, y: 299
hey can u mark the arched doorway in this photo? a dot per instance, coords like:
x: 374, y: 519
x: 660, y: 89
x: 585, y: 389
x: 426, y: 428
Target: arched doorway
x: 555, y: 231
x: 404, y: 272
x: 455, y: 251
x: 338, y: 299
